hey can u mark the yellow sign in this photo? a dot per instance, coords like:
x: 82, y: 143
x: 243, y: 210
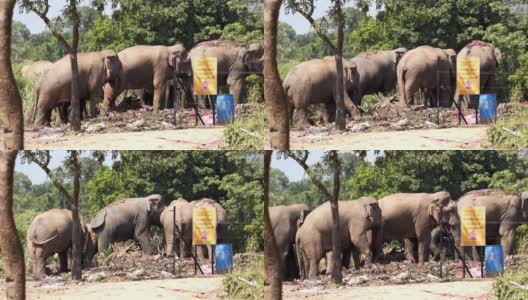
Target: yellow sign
x: 204, y: 76
x: 473, y: 226
x: 468, y: 76
x: 204, y: 226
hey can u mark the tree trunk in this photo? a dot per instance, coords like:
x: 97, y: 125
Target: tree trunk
x: 76, y: 230
x: 272, y: 278
x: 340, y: 96
x: 337, y: 276
x: 10, y: 100
x: 10, y: 246
x: 276, y: 101
x: 75, y: 101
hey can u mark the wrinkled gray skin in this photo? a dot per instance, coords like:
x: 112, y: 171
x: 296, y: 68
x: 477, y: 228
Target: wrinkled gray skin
x: 285, y: 220
x: 34, y: 70
x: 184, y: 214
x: 418, y: 70
x: 356, y: 217
x: 54, y: 87
x: 504, y: 213
x: 490, y: 59
x: 408, y: 216
x: 314, y: 82
x: 234, y: 63
x: 50, y: 233
x: 221, y: 225
x: 150, y: 68
x: 128, y: 219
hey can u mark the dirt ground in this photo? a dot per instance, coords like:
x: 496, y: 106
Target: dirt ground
x: 183, y: 288
x: 467, y: 289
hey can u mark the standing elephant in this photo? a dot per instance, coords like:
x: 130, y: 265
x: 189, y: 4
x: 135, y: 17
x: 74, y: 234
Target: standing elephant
x: 184, y: 214
x: 314, y: 82
x: 377, y: 72
x: 54, y: 88
x: 221, y: 225
x: 285, y: 220
x: 428, y: 69
x: 150, y: 68
x: 408, y: 216
x: 504, y: 213
x: 50, y: 233
x: 128, y: 219
x: 234, y: 63
x: 490, y: 59
x: 33, y: 71
x: 357, y: 218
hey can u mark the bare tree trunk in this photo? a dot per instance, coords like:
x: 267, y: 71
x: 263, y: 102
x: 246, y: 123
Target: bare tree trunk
x: 76, y: 230
x: 10, y: 246
x: 10, y: 101
x: 272, y: 278
x: 278, y: 107
x: 337, y: 276
x: 75, y: 101
x: 340, y: 99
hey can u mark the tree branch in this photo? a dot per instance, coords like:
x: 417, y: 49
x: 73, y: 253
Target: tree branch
x: 44, y: 167
x: 317, y: 183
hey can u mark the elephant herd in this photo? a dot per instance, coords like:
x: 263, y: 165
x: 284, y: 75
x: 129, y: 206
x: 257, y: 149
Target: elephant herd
x: 427, y: 69
x: 132, y: 218
x: 304, y: 236
x: 105, y: 74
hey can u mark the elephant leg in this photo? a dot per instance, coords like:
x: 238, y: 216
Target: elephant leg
x: 39, y: 263
x: 93, y: 108
x: 235, y: 89
x: 159, y: 94
x: 424, y: 244
x: 329, y: 263
x: 507, y: 241
x: 63, y: 261
x: 345, y: 261
x: 302, y: 117
x: 329, y: 112
x: 356, y: 257
x: 110, y: 94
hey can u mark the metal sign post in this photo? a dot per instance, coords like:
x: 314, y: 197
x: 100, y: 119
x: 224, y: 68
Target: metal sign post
x: 176, y: 230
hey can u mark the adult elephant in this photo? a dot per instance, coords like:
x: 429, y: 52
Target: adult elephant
x: 234, y: 63
x: 504, y: 213
x: 127, y: 219
x: 377, y: 72
x: 426, y: 68
x: 94, y: 70
x: 408, y: 216
x: 285, y: 220
x: 221, y: 225
x: 51, y: 232
x: 34, y: 70
x: 356, y: 219
x: 314, y: 82
x: 490, y: 59
x: 182, y: 218
x: 150, y: 68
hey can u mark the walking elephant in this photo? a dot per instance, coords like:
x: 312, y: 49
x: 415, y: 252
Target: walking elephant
x: 150, y: 68
x: 504, y: 213
x: 490, y: 59
x: 408, y: 216
x: 51, y: 232
x: 356, y: 219
x: 183, y: 219
x: 234, y: 63
x: 426, y: 68
x: 94, y: 70
x: 314, y: 82
x: 127, y: 219
x: 285, y: 220
x: 221, y: 225
x: 33, y: 71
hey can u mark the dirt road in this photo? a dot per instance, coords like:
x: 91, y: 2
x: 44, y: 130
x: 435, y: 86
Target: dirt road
x: 468, y: 289
x: 460, y: 138
x: 180, y: 139
x: 185, y: 288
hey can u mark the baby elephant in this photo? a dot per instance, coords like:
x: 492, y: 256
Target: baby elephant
x: 50, y: 233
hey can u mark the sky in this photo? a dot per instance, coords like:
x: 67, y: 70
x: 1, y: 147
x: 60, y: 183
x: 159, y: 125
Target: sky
x: 294, y: 172
x: 38, y: 176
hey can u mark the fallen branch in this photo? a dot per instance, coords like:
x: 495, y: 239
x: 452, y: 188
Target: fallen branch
x: 252, y: 283
x: 511, y: 131
x: 249, y: 132
x: 523, y: 287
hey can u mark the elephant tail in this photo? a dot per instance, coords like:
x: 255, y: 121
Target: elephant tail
x: 35, y: 103
x: 297, y: 253
x: 41, y: 243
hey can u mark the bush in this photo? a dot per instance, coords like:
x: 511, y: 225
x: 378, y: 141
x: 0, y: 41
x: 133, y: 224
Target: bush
x: 27, y: 91
x: 247, y: 131
x: 504, y: 289
x: 510, y: 133
x: 521, y: 236
x: 247, y: 279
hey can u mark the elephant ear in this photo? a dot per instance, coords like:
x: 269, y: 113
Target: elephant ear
x: 99, y: 220
x: 498, y: 56
x: 398, y: 54
x: 434, y: 210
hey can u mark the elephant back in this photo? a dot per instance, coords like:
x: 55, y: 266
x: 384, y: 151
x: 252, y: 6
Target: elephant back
x: 50, y: 225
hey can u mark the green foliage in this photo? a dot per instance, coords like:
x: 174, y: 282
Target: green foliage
x: 27, y: 91
x: 247, y: 131
x: 504, y: 289
x: 251, y: 270
x: 521, y: 242
x: 22, y: 222
x: 510, y: 133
